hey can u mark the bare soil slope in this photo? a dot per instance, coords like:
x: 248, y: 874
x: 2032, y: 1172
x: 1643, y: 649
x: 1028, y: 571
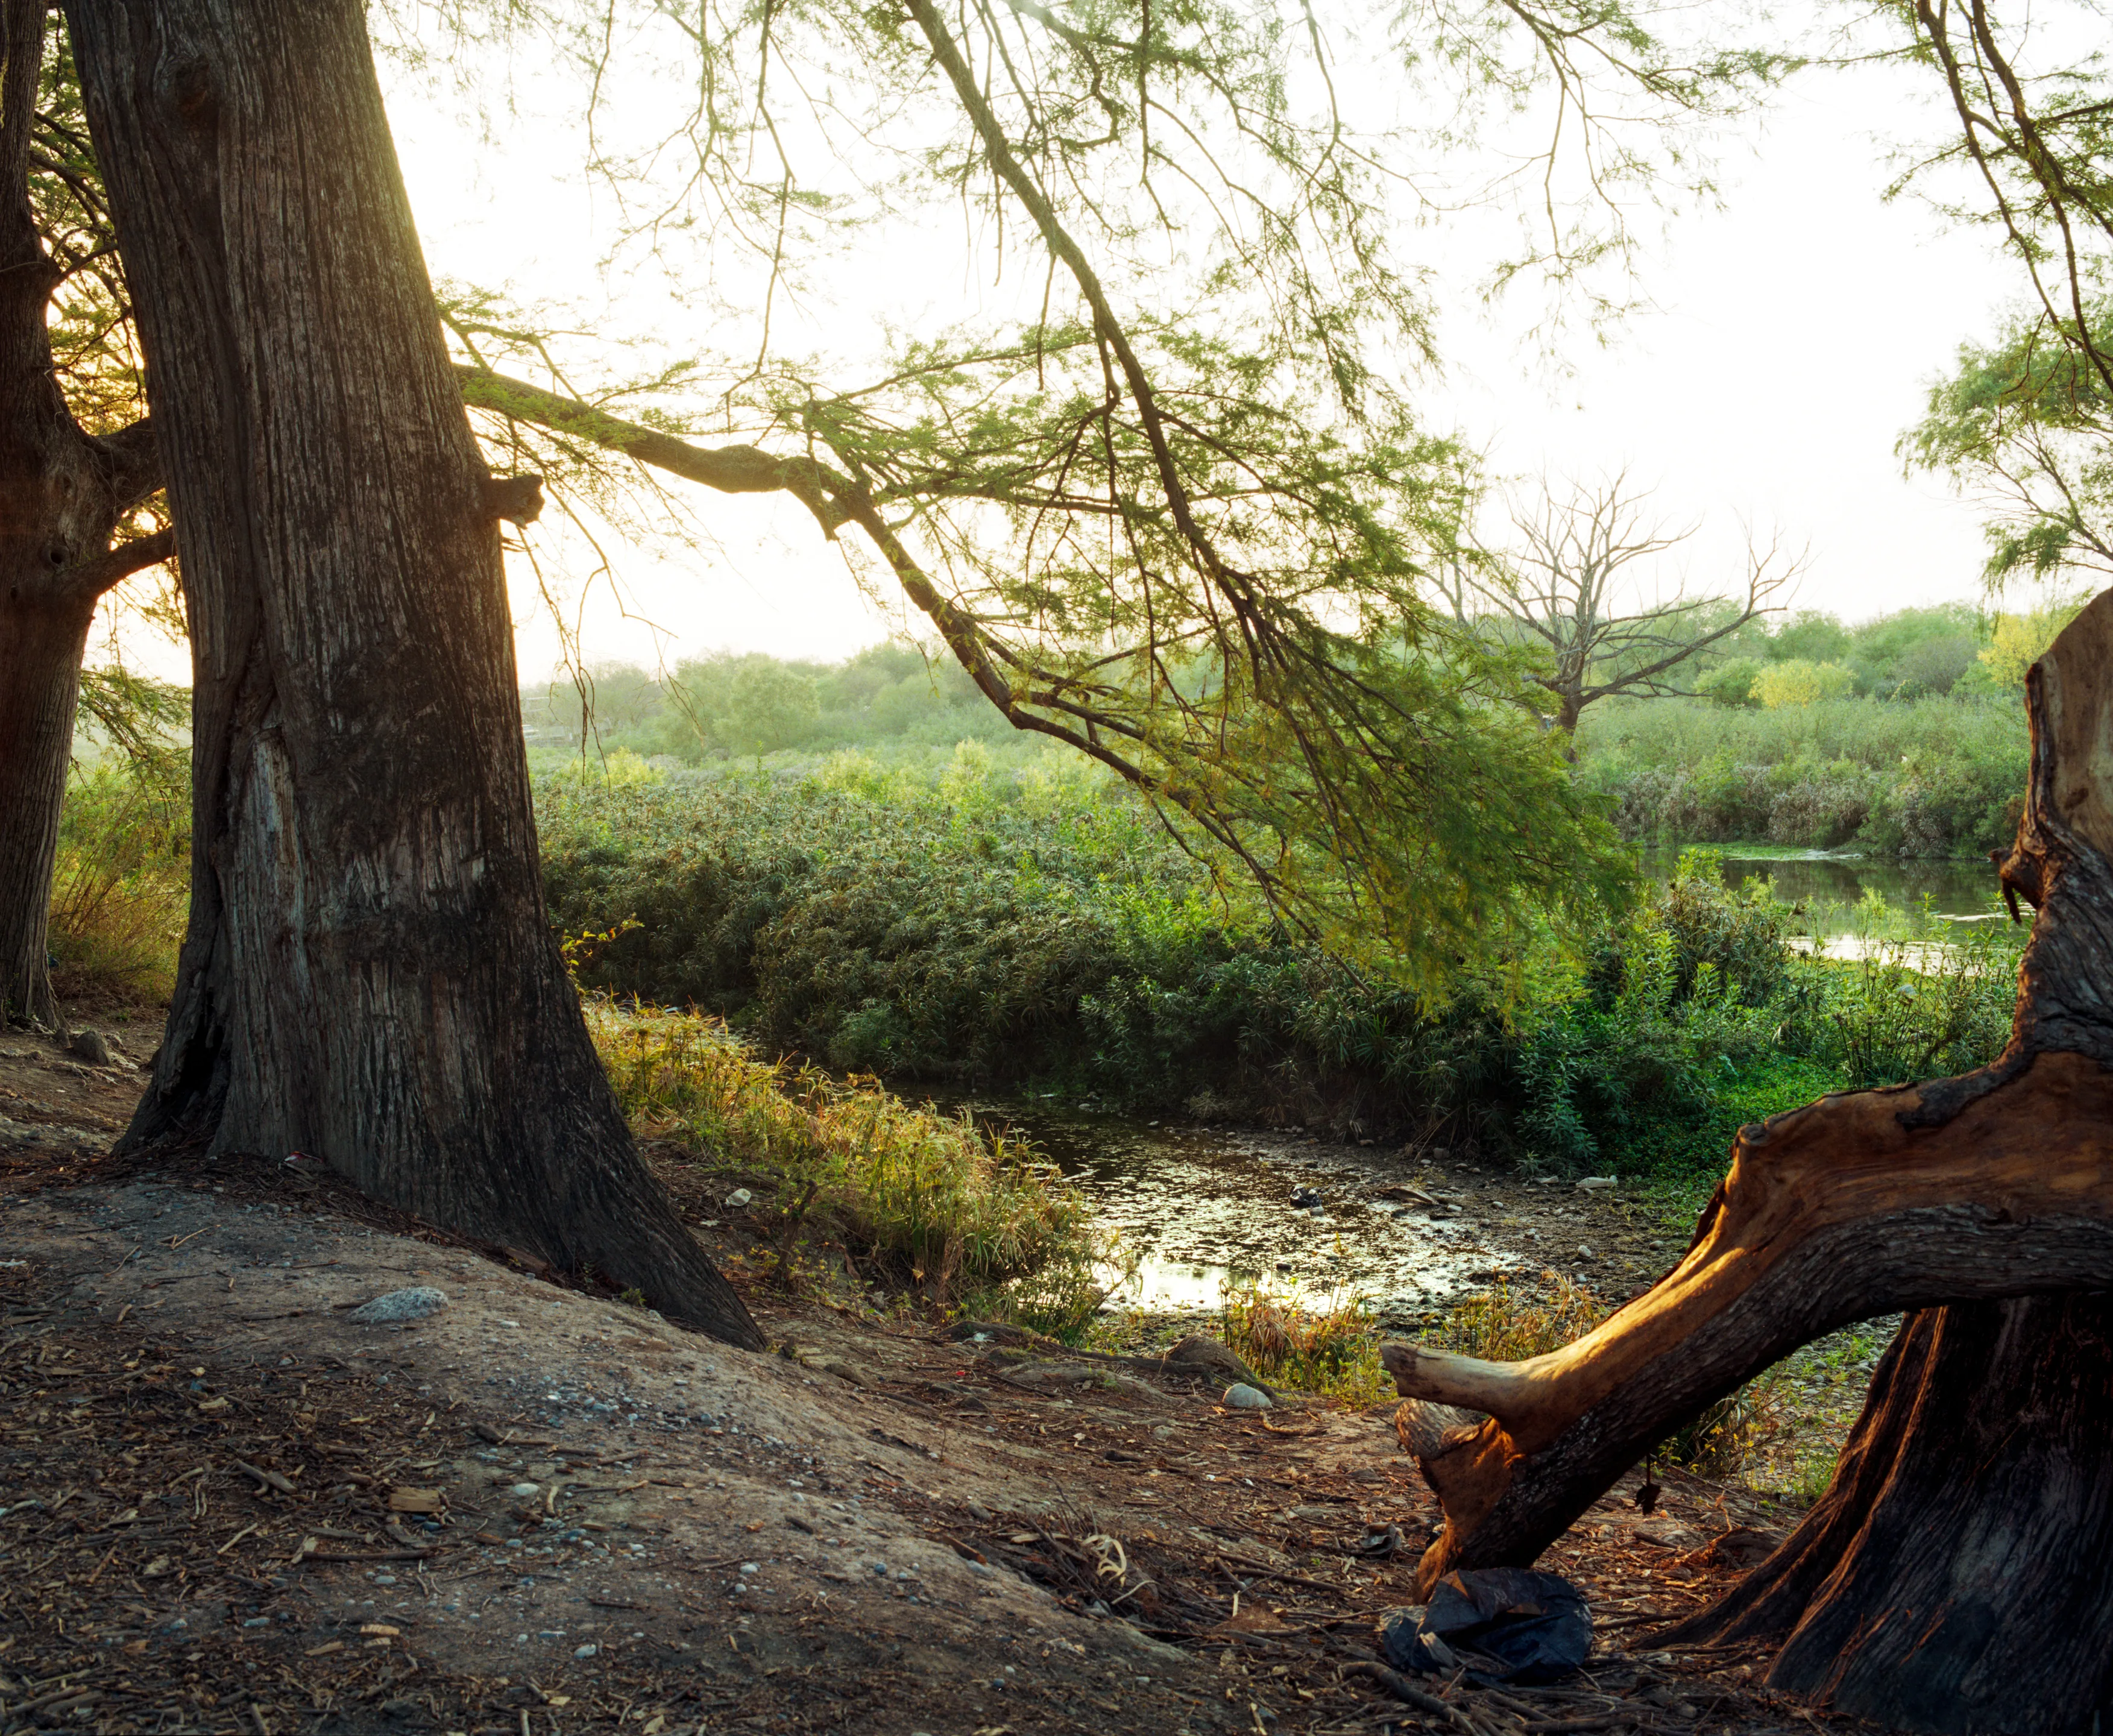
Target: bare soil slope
x: 229, y: 1506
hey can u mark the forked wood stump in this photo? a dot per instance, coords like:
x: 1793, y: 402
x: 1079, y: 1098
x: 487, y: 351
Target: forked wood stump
x: 1958, y: 1576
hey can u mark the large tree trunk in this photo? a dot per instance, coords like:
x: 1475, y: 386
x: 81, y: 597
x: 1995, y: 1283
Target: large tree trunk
x: 1972, y: 1510
x: 61, y: 493
x: 369, y: 974
x: 1958, y: 1576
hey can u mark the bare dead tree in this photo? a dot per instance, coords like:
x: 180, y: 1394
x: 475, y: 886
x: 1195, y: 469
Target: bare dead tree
x: 1556, y: 591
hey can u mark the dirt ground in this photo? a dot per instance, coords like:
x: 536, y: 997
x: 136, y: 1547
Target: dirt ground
x: 227, y: 1505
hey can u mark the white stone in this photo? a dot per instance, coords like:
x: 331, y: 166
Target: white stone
x: 413, y: 1304
x: 1242, y: 1397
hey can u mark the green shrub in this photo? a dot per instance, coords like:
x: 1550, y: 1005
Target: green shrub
x: 1730, y: 682
x: 981, y: 926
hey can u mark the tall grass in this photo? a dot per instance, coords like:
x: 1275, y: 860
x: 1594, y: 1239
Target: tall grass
x: 1499, y: 1324
x: 122, y: 882
x: 1327, y: 1346
x: 920, y: 1199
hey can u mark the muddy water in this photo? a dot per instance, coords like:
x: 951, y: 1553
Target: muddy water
x: 1198, y: 1208
x: 1830, y: 883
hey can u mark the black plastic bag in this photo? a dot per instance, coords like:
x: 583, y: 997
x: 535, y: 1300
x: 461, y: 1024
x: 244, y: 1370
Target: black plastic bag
x: 1505, y: 1624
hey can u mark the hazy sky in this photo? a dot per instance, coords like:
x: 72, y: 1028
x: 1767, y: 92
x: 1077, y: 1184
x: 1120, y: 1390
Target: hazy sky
x: 1791, y: 336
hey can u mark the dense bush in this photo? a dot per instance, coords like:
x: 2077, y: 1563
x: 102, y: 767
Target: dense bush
x: 1912, y: 777
x: 1019, y: 928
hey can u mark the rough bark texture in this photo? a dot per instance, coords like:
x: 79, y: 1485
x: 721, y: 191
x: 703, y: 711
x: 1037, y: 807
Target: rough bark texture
x: 1972, y: 1501
x: 369, y: 974
x: 1958, y: 1576
x: 62, y: 492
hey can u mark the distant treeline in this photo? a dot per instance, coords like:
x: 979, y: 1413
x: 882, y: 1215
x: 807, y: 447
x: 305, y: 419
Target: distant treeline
x: 740, y: 705
x: 1950, y: 648
x: 1904, y: 736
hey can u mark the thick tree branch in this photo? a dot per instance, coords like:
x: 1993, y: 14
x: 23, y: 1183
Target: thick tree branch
x: 134, y: 461
x: 732, y: 470
x: 836, y: 500
x: 92, y: 578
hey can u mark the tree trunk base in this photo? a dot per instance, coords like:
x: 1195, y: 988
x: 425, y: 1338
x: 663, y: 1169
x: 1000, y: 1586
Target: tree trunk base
x: 1957, y: 1577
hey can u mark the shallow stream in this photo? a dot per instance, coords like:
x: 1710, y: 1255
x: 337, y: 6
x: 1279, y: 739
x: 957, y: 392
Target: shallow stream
x: 1830, y: 883
x: 1199, y: 1208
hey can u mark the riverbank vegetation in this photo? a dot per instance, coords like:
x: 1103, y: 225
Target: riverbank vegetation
x: 1003, y: 915
x: 913, y: 1201
x: 1033, y: 928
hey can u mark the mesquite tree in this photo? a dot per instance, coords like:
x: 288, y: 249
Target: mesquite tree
x: 1174, y: 548
x: 1556, y: 591
x: 76, y: 464
x: 369, y: 973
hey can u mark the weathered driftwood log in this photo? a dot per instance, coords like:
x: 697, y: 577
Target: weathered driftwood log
x: 1968, y: 1528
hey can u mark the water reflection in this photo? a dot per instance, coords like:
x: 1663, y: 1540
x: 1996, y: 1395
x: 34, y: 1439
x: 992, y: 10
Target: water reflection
x: 1828, y: 883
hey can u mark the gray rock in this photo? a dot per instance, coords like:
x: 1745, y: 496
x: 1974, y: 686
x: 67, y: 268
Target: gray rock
x: 90, y: 1046
x: 1241, y: 1397
x: 413, y: 1304
x: 738, y: 1198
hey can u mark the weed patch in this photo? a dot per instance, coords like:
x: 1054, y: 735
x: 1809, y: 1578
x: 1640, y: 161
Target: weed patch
x: 921, y: 1200
x: 1329, y: 1347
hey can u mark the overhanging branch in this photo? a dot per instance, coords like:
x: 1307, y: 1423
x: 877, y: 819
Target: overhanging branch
x: 93, y: 578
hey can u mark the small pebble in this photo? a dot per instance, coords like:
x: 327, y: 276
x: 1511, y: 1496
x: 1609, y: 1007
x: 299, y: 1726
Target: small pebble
x: 585, y: 1650
x: 524, y: 1490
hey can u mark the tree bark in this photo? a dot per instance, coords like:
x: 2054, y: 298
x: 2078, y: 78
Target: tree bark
x: 42, y: 641
x: 1958, y: 1576
x: 1968, y: 1524
x: 62, y: 493
x: 369, y: 974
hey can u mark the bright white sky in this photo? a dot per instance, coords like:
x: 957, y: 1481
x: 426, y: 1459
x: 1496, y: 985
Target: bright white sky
x: 1793, y: 335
